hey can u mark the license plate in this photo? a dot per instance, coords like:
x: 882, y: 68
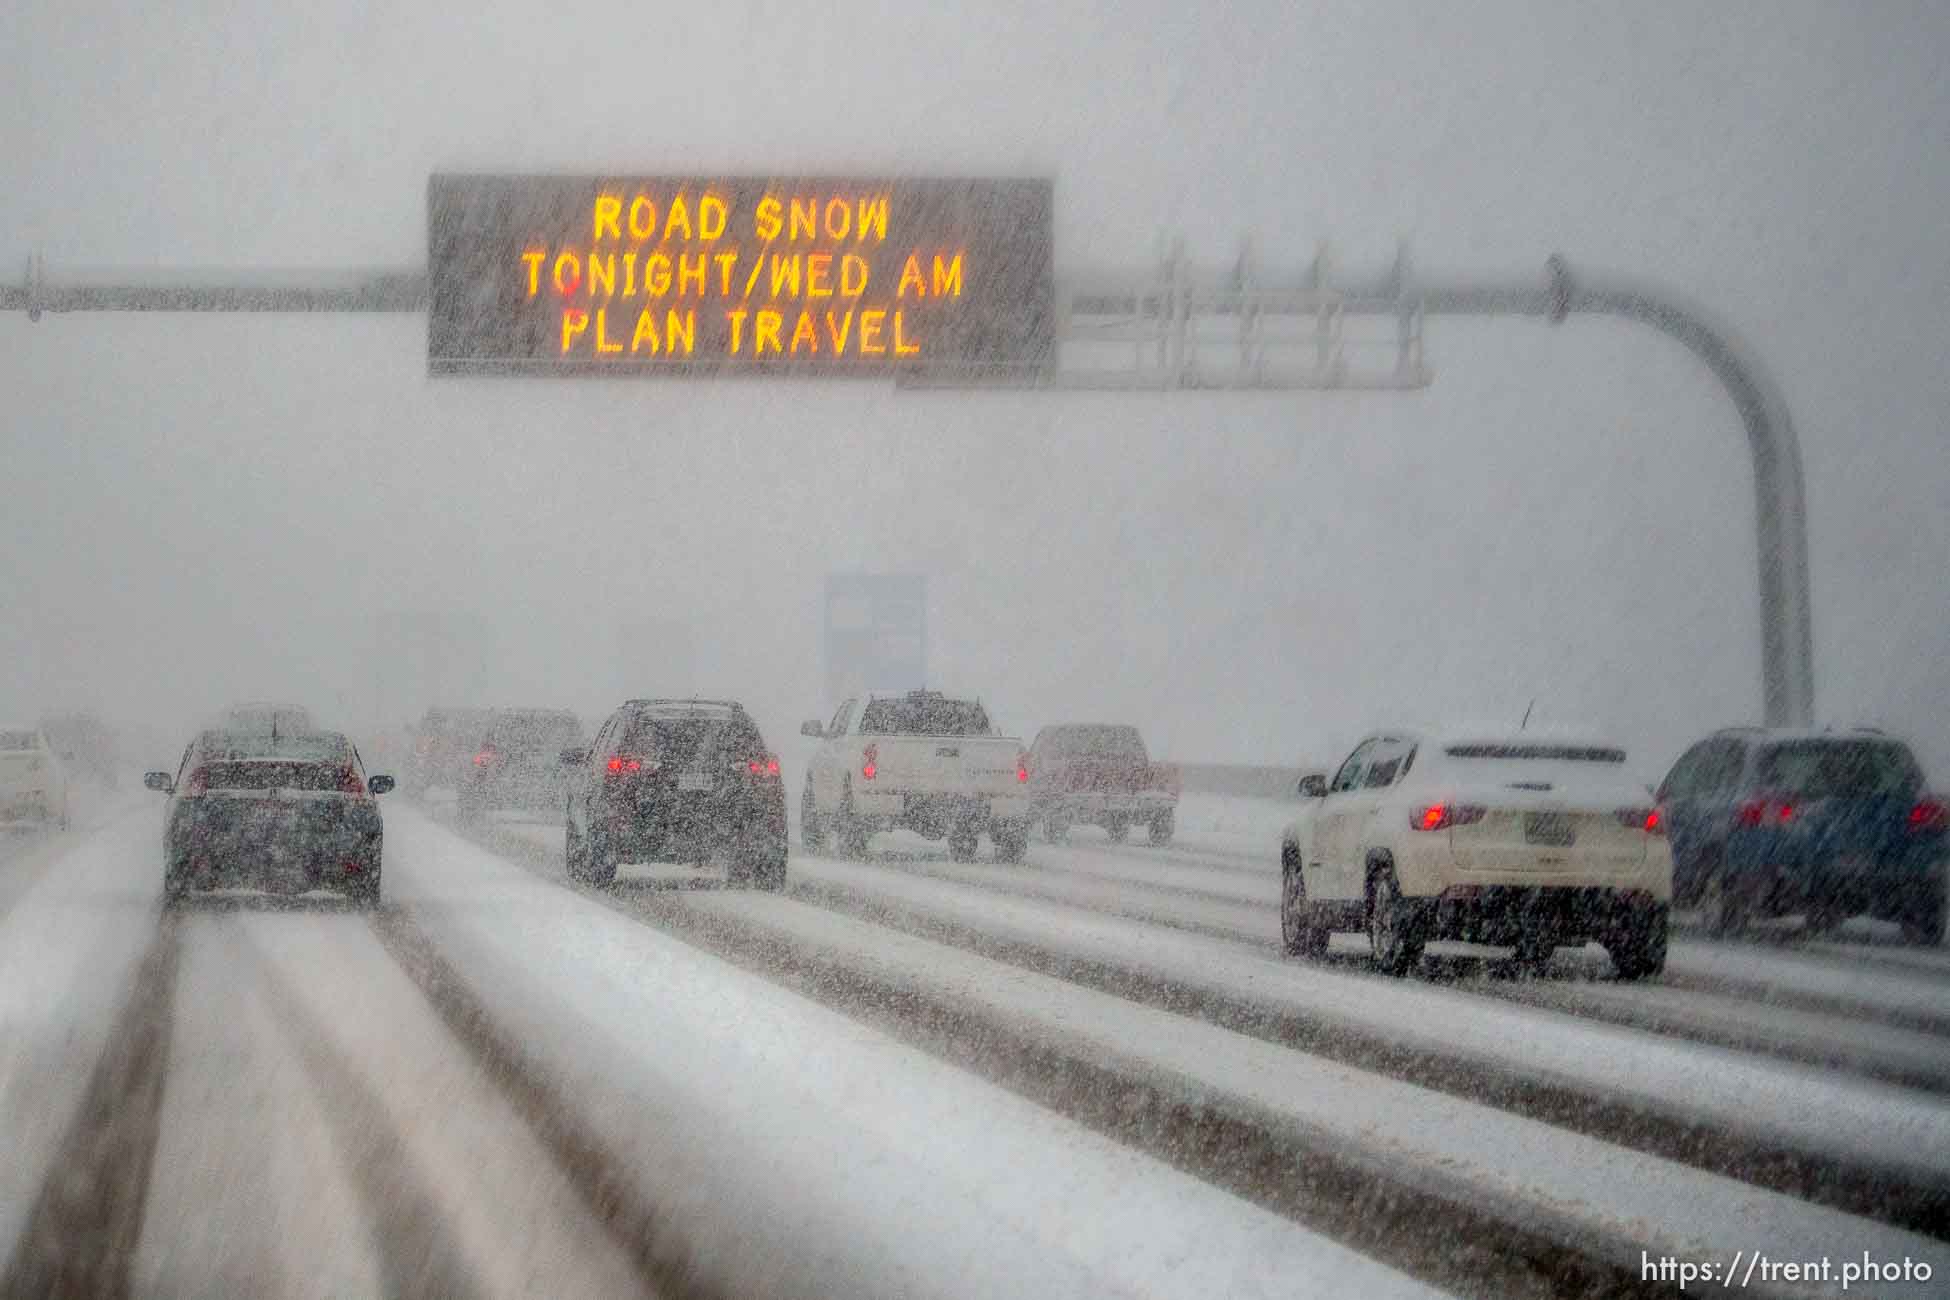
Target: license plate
x: 693, y: 781
x: 1548, y: 828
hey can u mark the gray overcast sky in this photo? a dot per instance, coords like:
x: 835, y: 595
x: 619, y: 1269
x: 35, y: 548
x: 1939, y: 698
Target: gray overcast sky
x: 205, y: 508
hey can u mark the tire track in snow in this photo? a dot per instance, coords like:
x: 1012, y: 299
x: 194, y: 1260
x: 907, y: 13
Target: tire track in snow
x: 81, y: 1236
x: 602, y: 1181
x: 418, y: 1255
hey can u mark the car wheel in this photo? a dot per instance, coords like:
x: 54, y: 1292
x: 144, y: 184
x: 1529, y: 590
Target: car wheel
x: 1724, y: 906
x: 1118, y: 829
x: 852, y: 836
x: 1395, y: 930
x: 1923, y: 922
x: 575, y: 852
x: 1011, y: 841
x: 962, y: 845
x: 1163, y: 826
x: 599, y: 857
x: 1638, y: 949
x: 811, y: 833
x: 1300, y: 929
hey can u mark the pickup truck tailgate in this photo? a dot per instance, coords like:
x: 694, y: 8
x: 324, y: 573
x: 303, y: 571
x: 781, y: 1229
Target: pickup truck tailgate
x: 944, y: 764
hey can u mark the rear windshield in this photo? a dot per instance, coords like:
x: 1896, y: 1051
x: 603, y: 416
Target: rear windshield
x: 1817, y: 769
x: 1098, y: 742
x: 273, y: 774
x: 678, y: 740
x: 1539, y: 752
x: 522, y: 731
x: 17, y: 740
x: 931, y: 716
x: 297, y: 747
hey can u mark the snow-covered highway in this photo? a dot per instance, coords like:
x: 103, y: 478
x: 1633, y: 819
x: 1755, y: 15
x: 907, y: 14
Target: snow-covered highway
x: 1090, y: 1074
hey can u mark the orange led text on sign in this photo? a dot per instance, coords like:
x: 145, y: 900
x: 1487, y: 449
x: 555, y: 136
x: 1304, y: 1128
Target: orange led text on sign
x: 645, y: 249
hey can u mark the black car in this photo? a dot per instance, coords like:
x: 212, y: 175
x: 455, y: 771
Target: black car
x: 286, y: 814
x: 677, y: 781
x: 516, y: 762
x: 1827, y: 824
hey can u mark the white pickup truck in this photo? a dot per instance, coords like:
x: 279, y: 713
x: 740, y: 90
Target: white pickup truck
x: 919, y: 761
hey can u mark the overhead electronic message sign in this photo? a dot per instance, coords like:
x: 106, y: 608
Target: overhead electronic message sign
x: 715, y: 275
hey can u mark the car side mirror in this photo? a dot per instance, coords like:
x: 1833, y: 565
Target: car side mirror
x: 1313, y: 786
x: 380, y: 784
x: 812, y: 727
x: 160, y: 781
x: 574, y: 757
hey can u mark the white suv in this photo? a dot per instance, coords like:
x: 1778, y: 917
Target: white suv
x: 1517, y: 841
x: 32, y: 780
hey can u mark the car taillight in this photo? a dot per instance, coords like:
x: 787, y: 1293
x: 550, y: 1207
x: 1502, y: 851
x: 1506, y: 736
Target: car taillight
x: 620, y: 763
x: 767, y: 766
x: 1648, y: 820
x: 199, y: 782
x: 1441, y: 816
x: 349, y: 782
x: 1022, y: 769
x: 483, y: 758
x: 1760, y: 812
x: 869, y: 762
x: 1929, y: 815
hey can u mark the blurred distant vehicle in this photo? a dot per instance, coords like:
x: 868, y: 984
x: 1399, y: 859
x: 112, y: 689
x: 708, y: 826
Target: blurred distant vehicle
x: 919, y: 761
x: 33, y: 782
x: 517, y: 762
x: 1829, y: 824
x: 84, y: 743
x: 286, y: 815
x: 267, y: 717
x: 444, y: 745
x: 1517, y: 841
x: 676, y: 781
x: 1100, y: 775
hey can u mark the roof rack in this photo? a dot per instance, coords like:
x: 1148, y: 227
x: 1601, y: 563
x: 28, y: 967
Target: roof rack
x: 692, y: 702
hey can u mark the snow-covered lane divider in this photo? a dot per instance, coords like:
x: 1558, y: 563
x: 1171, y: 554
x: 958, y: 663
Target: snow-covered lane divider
x: 1591, y: 1196
x: 798, y: 1152
x: 1849, y: 1124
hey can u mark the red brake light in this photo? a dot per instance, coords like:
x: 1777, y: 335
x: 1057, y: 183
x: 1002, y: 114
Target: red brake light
x: 1758, y: 812
x: 767, y: 766
x: 621, y: 763
x: 1646, y: 819
x: 1022, y: 769
x: 869, y: 762
x: 1441, y: 816
x: 483, y: 758
x: 1929, y: 815
x: 349, y: 782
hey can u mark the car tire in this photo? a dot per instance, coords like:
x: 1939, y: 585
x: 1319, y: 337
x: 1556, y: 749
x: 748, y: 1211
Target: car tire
x: 1396, y: 930
x: 599, y: 857
x: 1118, y: 829
x: 847, y: 830
x: 1923, y: 923
x: 575, y: 852
x: 1163, y: 827
x: 1011, y: 841
x: 963, y: 845
x: 1638, y: 948
x: 1724, y: 905
x: 1301, y: 932
x: 812, y: 833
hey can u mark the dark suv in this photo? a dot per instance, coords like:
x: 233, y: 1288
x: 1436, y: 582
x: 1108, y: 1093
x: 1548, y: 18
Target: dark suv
x: 677, y: 781
x: 1828, y: 824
